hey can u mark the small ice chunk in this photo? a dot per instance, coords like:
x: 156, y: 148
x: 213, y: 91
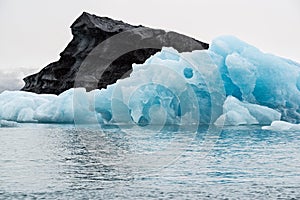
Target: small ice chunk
x: 5, y: 123
x: 282, y: 126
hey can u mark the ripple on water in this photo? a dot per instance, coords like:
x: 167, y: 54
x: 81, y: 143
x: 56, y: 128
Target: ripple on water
x: 60, y: 161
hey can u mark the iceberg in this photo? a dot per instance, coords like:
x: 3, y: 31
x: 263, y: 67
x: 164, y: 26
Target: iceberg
x: 231, y: 83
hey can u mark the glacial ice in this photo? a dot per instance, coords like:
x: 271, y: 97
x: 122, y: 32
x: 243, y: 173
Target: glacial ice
x: 231, y: 83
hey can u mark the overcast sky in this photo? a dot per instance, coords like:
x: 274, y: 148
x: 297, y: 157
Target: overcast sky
x: 34, y: 32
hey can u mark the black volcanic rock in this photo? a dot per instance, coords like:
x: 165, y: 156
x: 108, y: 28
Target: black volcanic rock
x: 101, y: 52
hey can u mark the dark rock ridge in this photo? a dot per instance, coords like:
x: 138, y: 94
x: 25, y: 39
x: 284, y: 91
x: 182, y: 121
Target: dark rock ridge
x: 84, y: 64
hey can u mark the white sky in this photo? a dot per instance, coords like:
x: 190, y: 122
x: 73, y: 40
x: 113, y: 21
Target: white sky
x: 34, y: 32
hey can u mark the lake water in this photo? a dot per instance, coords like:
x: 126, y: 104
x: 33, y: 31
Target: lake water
x: 64, y: 162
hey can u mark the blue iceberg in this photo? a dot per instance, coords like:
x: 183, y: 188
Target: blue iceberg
x: 231, y: 83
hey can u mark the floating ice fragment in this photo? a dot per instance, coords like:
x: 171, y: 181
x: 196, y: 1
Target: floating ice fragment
x: 282, y: 126
x: 5, y: 123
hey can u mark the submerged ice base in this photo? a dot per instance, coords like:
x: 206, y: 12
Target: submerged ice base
x: 231, y: 83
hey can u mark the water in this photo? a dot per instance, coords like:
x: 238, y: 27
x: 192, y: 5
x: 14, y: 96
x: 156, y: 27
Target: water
x: 61, y: 161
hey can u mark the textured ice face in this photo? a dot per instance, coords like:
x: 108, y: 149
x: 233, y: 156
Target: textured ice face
x: 232, y: 83
x: 236, y: 113
x: 259, y: 78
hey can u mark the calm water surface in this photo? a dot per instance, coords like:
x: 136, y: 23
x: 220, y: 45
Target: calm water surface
x: 64, y: 162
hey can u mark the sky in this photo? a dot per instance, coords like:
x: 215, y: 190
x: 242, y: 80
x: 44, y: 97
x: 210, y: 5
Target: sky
x: 34, y: 32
